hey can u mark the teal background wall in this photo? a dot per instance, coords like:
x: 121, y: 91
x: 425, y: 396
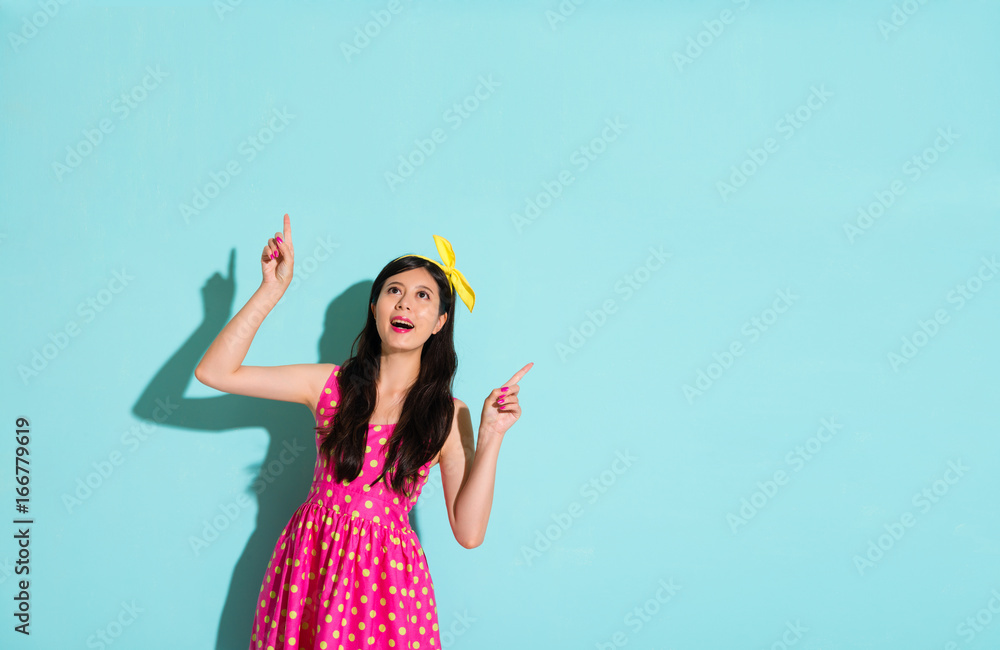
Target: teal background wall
x: 750, y: 246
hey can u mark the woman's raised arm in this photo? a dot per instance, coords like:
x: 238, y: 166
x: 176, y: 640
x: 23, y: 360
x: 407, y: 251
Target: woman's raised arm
x: 222, y: 366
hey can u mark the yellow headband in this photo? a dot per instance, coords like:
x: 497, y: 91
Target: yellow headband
x: 455, y: 277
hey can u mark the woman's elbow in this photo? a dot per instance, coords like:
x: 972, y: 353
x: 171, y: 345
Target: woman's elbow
x: 470, y: 542
x: 200, y: 375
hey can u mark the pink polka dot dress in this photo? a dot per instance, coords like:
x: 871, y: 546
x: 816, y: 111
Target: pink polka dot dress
x: 347, y: 571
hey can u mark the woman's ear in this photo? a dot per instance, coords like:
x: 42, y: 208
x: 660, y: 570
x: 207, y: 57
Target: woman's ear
x: 442, y: 319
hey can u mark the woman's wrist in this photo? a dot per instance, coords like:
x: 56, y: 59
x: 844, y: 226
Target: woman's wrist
x: 271, y: 290
x: 488, y: 437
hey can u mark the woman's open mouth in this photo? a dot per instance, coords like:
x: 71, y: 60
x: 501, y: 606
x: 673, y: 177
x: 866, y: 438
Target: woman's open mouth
x: 401, y: 325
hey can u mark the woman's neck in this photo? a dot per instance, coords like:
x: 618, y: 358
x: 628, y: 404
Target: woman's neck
x: 397, y: 373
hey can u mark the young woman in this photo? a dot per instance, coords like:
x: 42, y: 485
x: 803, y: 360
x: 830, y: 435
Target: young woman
x: 347, y: 570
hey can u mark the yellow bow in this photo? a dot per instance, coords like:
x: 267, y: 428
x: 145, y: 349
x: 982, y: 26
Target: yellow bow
x: 455, y: 277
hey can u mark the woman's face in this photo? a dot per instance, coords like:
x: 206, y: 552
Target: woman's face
x: 411, y: 296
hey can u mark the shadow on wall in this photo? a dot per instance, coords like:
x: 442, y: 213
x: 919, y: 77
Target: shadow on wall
x: 282, y: 488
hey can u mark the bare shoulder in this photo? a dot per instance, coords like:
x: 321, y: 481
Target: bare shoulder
x: 317, y: 374
x: 453, y: 443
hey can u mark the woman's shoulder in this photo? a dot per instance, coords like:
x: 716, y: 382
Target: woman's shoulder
x: 325, y: 372
x: 323, y: 382
x: 453, y: 435
x: 459, y: 408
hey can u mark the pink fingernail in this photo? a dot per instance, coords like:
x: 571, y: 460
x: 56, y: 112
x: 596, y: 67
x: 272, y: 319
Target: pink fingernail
x: 500, y: 400
x: 279, y: 239
x: 503, y: 390
x: 273, y: 254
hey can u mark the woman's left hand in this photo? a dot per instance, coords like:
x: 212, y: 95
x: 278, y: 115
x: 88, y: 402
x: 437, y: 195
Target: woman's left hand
x: 501, y: 408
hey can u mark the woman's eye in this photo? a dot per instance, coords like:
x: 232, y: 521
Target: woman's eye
x: 422, y: 293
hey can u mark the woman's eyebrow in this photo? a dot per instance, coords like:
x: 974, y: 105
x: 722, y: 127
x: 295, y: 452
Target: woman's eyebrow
x: 419, y: 286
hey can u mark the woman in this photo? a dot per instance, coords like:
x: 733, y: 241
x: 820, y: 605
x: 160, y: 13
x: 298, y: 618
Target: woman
x: 347, y: 570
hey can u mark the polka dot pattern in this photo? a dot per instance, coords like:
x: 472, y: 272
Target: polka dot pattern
x: 347, y: 571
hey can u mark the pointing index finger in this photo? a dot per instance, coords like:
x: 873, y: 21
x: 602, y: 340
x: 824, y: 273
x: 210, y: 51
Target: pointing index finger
x: 520, y: 373
x: 287, y: 228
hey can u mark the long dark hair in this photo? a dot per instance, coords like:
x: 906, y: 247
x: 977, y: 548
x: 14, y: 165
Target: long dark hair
x: 427, y: 410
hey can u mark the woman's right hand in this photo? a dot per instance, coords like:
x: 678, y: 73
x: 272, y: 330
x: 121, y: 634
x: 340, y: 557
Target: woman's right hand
x: 277, y: 260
